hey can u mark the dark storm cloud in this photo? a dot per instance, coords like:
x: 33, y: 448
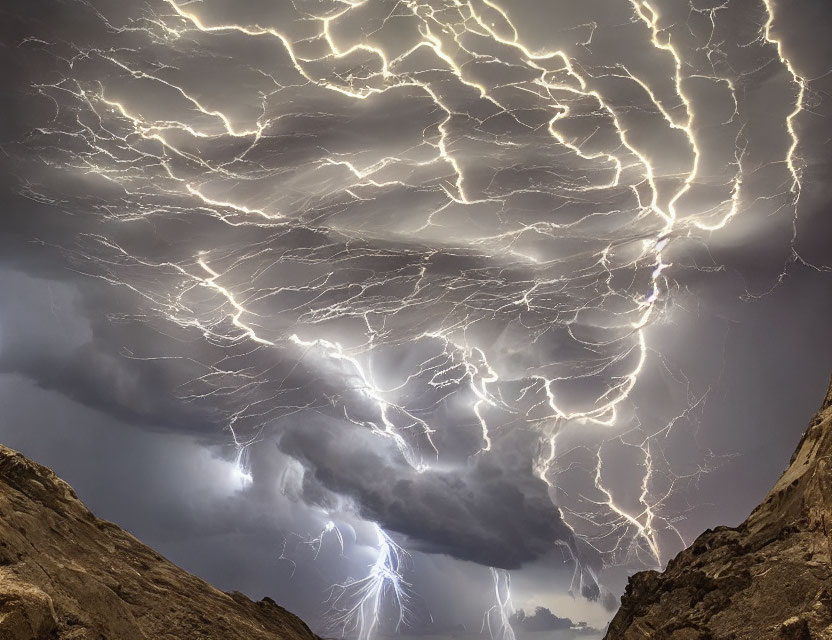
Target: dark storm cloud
x: 101, y: 380
x: 56, y: 335
x: 495, y: 512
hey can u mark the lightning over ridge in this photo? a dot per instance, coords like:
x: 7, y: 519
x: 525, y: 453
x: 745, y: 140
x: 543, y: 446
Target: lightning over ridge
x: 421, y: 236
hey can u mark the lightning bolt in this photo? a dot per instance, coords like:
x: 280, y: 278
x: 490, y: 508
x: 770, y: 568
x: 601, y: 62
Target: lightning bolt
x: 359, y: 607
x: 497, y: 620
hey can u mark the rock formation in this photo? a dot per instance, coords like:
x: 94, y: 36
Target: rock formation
x: 771, y: 577
x: 66, y: 575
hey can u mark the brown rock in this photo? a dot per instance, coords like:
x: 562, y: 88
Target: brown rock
x: 795, y: 629
x: 66, y: 575
x: 26, y: 612
x: 770, y: 578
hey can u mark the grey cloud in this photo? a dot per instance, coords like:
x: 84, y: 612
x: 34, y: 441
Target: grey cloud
x: 544, y: 620
x: 59, y: 344
x: 494, y: 511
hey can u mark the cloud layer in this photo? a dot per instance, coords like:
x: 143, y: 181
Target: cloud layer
x: 483, y: 276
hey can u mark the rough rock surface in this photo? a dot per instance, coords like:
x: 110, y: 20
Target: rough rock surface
x: 771, y: 577
x: 66, y: 575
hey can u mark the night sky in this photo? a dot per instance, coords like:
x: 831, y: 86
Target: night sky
x: 377, y: 308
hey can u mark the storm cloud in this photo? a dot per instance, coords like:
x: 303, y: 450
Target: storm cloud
x: 523, y: 286
x: 495, y: 512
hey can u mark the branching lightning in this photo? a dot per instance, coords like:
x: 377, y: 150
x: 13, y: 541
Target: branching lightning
x: 504, y: 251
x: 359, y: 607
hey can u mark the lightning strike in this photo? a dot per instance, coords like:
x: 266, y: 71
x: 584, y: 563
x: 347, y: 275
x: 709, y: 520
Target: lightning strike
x: 359, y: 607
x: 520, y: 293
x: 497, y: 620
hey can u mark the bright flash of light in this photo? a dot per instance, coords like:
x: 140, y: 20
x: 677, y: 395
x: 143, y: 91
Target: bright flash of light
x: 359, y: 607
x: 497, y: 620
x: 330, y: 529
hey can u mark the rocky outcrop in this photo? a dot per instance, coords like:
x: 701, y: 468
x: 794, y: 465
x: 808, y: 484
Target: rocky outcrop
x: 771, y: 577
x: 66, y: 575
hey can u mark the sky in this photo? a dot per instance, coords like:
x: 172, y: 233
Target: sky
x: 416, y: 315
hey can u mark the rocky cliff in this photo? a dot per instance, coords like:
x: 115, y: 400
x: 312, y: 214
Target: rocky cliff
x: 66, y: 575
x: 771, y: 577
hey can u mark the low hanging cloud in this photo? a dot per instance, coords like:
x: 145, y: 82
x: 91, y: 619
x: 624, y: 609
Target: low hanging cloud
x: 494, y: 512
